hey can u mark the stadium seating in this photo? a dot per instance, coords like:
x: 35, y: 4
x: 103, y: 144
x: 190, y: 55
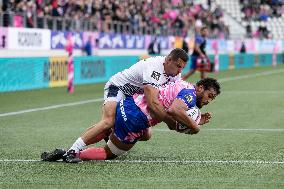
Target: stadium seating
x: 170, y: 17
x: 248, y: 14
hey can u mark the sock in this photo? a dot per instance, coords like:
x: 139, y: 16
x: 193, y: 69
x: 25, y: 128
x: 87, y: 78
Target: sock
x: 78, y: 145
x: 93, y: 154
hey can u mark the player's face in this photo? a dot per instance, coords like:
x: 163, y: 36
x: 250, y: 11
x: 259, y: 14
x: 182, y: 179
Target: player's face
x: 174, y: 67
x: 205, y: 32
x: 204, y: 97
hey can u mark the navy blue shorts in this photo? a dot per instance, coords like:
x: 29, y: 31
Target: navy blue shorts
x: 130, y: 122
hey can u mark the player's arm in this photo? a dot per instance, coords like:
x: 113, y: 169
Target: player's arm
x: 156, y: 109
x: 178, y: 112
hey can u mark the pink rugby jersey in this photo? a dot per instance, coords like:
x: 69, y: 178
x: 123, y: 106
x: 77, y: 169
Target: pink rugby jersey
x: 167, y: 94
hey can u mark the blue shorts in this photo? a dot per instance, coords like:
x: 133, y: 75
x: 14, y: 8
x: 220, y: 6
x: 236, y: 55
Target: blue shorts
x: 130, y: 122
x: 193, y: 64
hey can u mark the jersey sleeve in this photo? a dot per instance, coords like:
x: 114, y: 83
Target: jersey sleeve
x: 199, y: 40
x: 151, y: 74
x: 188, y: 96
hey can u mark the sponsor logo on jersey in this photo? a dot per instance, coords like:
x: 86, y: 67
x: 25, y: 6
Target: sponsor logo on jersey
x: 156, y: 75
x: 188, y: 98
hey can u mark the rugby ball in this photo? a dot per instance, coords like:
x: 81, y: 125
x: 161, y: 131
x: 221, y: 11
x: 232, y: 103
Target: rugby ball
x: 195, y: 114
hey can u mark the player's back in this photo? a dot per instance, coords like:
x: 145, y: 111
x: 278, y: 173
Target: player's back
x: 131, y: 80
x: 167, y: 94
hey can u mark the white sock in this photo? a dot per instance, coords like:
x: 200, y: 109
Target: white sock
x: 78, y: 145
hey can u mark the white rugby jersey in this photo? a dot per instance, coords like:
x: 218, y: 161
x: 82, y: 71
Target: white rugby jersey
x: 149, y: 71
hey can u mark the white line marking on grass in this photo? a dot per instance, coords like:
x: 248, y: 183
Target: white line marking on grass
x: 166, y: 161
x: 230, y: 129
x: 250, y: 75
x: 253, y: 92
x: 51, y: 107
x: 198, y: 161
x: 101, y: 99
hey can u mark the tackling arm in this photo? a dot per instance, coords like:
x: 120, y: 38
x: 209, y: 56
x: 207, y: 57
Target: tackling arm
x: 157, y: 110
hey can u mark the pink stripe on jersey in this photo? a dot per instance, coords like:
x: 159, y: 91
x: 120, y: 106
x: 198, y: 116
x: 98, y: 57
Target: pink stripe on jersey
x: 167, y: 95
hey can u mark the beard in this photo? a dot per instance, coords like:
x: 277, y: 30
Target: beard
x: 199, y: 101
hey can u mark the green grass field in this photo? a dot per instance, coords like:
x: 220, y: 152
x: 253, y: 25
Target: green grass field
x: 243, y: 146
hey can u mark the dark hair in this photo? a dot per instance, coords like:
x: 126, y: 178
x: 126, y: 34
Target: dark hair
x: 177, y: 53
x: 208, y: 83
x: 203, y: 28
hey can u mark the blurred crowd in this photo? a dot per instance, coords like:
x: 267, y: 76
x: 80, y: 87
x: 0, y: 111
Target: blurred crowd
x: 261, y: 10
x: 180, y: 16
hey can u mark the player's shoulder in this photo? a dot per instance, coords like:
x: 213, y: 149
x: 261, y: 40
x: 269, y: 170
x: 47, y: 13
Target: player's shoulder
x: 154, y: 61
x: 184, y: 84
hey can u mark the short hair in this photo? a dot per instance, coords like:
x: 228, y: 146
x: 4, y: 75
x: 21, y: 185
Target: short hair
x: 203, y: 28
x: 208, y: 83
x: 177, y: 53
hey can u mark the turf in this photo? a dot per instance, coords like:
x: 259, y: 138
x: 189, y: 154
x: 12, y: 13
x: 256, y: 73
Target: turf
x: 243, y: 146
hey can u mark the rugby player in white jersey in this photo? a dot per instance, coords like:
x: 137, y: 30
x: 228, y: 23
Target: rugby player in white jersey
x: 144, y: 76
x: 133, y: 119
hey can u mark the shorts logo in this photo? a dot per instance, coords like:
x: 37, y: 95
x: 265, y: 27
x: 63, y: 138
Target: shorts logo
x: 122, y: 111
x: 156, y: 75
x: 188, y: 98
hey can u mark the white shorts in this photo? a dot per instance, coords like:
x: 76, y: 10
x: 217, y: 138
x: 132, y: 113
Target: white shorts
x: 112, y: 93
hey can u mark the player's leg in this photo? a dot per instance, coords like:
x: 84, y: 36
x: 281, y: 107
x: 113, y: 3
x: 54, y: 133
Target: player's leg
x: 100, y: 136
x: 92, y: 134
x: 102, y: 128
x: 192, y: 70
x: 130, y: 126
x: 147, y: 135
x: 111, y: 150
x: 96, y: 132
x: 202, y: 74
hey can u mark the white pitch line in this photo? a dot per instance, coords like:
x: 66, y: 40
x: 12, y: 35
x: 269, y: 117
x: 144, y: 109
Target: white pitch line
x: 253, y: 92
x: 101, y: 99
x: 164, y: 161
x: 51, y: 107
x: 229, y: 129
x: 250, y: 75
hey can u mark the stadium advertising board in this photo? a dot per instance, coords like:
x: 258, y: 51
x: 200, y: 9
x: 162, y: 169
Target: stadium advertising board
x: 3, y: 38
x: 28, y: 39
x: 91, y: 35
x: 134, y: 41
x: 57, y: 71
x: 252, y: 46
x: 22, y: 74
x: 59, y: 39
x: 120, y: 41
x: 111, y: 41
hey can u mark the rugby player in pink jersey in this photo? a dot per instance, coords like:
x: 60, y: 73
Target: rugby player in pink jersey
x: 133, y: 118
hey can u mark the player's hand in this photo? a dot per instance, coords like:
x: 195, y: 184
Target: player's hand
x: 192, y: 132
x: 205, y: 118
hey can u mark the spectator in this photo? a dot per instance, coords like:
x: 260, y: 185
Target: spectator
x: 88, y: 47
x: 243, y: 48
x: 154, y: 47
x: 129, y: 16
